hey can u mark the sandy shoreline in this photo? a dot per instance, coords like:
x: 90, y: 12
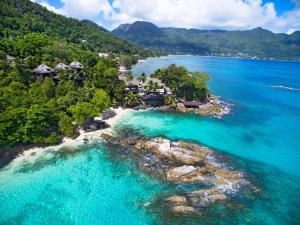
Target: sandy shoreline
x: 32, y: 153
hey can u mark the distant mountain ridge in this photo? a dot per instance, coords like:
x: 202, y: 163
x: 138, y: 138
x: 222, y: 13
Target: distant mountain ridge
x: 20, y: 17
x: 257, y: 42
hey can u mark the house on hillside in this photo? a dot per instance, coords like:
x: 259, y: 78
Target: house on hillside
x: 104, y: 55
x: 43, y: 71
x: 61, y: 66
x: 75, y: 65
x: 10, y: 59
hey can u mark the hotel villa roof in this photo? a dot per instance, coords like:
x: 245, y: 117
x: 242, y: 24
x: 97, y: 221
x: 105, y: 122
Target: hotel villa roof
x: 43, y: 69
x: 61, y: 66
x: 10, y: 59
x: 75, y: 65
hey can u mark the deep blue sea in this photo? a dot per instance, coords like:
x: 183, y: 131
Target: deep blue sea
x: 261, y: 137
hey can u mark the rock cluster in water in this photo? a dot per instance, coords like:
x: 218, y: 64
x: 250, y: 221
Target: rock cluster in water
x: 213, y: 107
x: 183, y: 163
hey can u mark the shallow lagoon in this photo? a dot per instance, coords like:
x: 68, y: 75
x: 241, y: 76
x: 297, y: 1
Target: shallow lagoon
x: 93, y: 186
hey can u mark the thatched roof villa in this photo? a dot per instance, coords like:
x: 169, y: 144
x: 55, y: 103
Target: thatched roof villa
x: 61, y: 66
x: 42, y: 71
x: 76, y: 65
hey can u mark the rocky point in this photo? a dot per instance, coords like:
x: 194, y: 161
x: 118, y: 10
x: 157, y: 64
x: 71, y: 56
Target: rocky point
x: 181, y: 162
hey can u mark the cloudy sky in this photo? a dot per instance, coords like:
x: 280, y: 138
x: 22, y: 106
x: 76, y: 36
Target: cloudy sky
x: 275, y: 15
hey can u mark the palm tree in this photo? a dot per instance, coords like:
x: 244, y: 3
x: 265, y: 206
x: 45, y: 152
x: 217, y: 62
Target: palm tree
x: 140, y: 80
x: 155, y: 86
x: 150, y: 85
x: 143, y: 77
x: 129, y: 77
x: 174, y: 87
x: 88, y: 90
x: 170, y: 100
x: 132, y: 99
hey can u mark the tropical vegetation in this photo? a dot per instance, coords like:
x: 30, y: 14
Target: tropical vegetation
x: 183, y: 83
x: 44, y: 112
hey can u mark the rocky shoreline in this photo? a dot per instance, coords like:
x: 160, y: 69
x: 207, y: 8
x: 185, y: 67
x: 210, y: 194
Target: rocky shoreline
x: 213, y: 107
x: 183, y: 163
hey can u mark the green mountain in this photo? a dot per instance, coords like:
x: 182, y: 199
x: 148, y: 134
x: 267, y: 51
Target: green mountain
x: 257, y: 42
x: 20, y: 17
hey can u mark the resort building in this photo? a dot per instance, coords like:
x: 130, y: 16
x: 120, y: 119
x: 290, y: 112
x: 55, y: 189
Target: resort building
x: 75, y: 65
x: 132, y: 88
x: 61, y: 66
x: 192, y: 104
x: 153, y: 100
x: 43, y: 71
x: 103, y: 55
x: 10, y: 59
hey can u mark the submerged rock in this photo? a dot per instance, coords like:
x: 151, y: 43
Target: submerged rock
x: 202, y: 198
x: 184, y: 209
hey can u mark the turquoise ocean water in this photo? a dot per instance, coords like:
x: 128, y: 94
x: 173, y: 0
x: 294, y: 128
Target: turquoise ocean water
x: 261, y: 136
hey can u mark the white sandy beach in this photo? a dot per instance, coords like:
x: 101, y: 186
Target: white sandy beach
x: 32, y: 154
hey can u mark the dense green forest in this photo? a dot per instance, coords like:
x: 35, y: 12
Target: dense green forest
x: 35, y: 112
x: 20, y: 17
x: 250, y: 43
x: 44, y: 112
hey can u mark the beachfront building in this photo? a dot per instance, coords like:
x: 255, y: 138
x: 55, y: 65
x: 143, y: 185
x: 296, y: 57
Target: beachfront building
x: 132, y: 88
x: 43, y: 71
x: 153, y: 100
x: 191, y: 104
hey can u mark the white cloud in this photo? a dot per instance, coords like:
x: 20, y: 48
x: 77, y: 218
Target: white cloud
x: 203, y: 14
x: 80, y: 9
x: 288, y: 22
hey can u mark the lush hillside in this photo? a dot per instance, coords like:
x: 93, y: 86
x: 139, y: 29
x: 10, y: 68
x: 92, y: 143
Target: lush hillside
x: 256, y: 42
x: 44, y: 111
x: 20, y: 17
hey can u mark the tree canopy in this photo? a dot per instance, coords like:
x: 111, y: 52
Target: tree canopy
x: 186, y: 85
